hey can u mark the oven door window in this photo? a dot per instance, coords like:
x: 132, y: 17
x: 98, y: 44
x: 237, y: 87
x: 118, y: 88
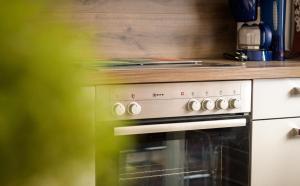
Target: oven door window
x: 215, y: 157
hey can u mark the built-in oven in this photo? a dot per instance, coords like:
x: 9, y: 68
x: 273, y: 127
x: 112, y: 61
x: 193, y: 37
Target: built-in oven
x: 186, y: 152
x: 184, y: 134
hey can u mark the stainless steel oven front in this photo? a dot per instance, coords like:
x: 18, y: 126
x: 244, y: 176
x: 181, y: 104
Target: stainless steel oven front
x: 185, y: 134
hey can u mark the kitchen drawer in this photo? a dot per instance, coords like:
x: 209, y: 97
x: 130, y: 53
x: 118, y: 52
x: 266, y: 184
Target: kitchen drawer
x: 276, y: 98
x: 275, y: 153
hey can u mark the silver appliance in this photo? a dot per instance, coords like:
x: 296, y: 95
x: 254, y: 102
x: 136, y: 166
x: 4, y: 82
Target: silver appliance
x: 249, y: 37
x: 186, y: 134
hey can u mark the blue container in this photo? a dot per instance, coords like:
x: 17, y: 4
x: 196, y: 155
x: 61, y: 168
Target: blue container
x: 273, y: 14
x: 244, y: 10
x: 258, y: 55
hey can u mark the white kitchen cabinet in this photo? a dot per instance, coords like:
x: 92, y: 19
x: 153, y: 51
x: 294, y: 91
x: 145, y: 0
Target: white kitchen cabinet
x: 275, y: 153
x: 87, y: 177
x: 88, y: 94
x: 276, y: 98
x: 275, y: 158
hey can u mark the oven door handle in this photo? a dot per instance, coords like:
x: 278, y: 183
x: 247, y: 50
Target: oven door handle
x: 176, y: 127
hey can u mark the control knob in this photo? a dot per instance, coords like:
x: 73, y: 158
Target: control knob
x: 221, y: 103
x: 194, y: 105
x: 235, y: 103
x: 134, y: 108
x: 119, y: 109
x: 208, y: 104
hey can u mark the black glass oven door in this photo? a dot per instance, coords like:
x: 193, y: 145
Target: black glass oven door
x: 200, y: 157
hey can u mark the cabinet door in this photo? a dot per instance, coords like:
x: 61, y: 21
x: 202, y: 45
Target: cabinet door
x: 275, y: 153
x: 87, y: 177
x: 276, y: 98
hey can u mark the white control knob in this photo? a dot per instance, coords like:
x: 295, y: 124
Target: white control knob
x: 208, y: 104
x: 221, y: 103
x: 235, y: 103
x: 194, y: 105
x: 119, y: 109
x: 134, y: 108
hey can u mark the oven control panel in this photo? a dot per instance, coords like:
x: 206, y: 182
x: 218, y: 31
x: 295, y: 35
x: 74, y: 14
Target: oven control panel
x: 157, y: 100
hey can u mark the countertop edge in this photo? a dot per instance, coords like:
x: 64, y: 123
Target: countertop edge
x: 126, y: 76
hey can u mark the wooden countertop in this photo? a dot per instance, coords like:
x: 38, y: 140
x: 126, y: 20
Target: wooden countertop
x: 239, y: 71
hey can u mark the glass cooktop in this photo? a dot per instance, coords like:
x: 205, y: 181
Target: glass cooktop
x: 164, y: 64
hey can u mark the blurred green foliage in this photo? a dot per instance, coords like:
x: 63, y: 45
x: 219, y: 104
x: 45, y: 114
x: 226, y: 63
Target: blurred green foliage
x: 46, y: 131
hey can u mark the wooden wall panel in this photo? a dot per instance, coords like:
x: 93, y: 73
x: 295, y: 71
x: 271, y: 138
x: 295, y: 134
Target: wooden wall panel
x: 156, y: 28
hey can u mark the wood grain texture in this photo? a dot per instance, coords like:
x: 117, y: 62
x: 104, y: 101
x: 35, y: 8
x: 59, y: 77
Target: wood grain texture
x: 155, y: 28
x: 159, y: 75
